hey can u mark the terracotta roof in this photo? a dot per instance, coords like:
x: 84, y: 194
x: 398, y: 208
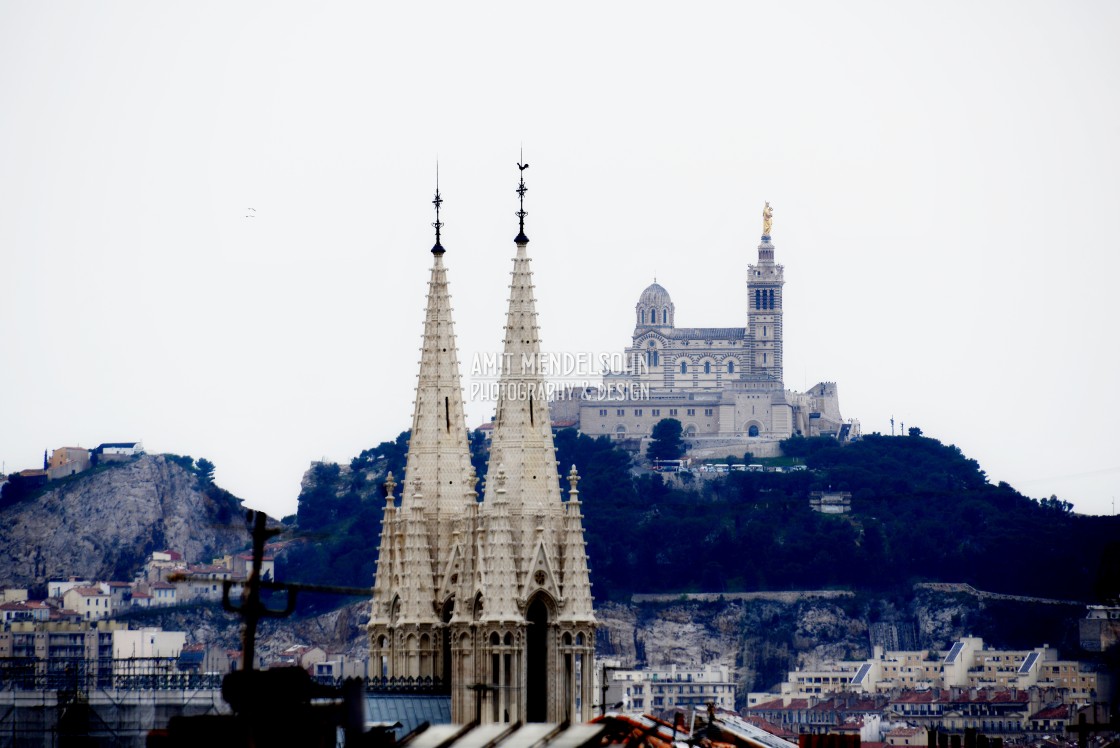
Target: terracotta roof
x: 904, y: 732
x: 777, y: 704
x: 1061, y: 711
x: 862, y: 705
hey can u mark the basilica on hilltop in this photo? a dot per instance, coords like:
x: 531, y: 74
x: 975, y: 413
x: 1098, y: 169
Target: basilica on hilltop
x: 724, y: 384
x: 487, y: 597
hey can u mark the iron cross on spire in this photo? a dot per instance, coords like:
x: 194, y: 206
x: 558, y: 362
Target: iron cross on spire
x: 438, y: 248
x: 521, y: 190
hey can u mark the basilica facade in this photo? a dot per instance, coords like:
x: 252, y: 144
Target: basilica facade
x: 724, y: 384
x: 488, y: 596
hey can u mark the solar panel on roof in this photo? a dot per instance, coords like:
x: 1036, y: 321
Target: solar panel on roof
x: 954, y: 653
x: 1028, y: 663
x: 864, y: 669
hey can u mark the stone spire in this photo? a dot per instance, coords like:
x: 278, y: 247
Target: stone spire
x: 386, y: 557
x: 438, y: 455
x: 577, y: 577
x: 522, y: 436
x: 419, y: 535
x: 499, y: 556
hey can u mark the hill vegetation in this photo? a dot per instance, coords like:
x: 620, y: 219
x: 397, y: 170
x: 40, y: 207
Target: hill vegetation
x: 920, y: 511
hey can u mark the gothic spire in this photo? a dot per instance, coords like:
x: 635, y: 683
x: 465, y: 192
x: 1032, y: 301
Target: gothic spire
x: 522, y: 437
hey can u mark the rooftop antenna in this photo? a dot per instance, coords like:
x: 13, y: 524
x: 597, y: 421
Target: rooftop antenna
x: 892, y: 425
x: 521, y: 190
x: 437, y: 249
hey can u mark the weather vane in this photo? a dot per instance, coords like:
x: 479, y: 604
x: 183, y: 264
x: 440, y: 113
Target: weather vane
x: 438, y: 248
x: 521, y: 190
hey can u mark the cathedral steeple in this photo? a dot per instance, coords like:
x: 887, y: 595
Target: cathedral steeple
x: 492, y: 598
x: 419, y: 537
x: 535, y: 558
x: 522, y: 437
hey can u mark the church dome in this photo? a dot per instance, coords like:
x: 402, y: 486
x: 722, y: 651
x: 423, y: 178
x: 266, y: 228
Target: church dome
x: 655, y: 295
x: 654, y: 308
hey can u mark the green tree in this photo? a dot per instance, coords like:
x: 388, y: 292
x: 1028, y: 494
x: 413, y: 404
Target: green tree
x: 666, y: 441
x: 205, y: 471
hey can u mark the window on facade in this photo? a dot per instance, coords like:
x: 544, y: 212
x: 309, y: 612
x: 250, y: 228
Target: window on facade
x: 643, y: 316
x: 707, y: 411
x: 707, y: 367
x: 730, y: 367
x: 664, y: 316
x: 684, y: 367
x: 655, y: 412
x: 691, y: 411
x: 763, y: 358
x: 620, y: 412
x: 672, y: 411
x: 602, y: 411
x: 637, y: 411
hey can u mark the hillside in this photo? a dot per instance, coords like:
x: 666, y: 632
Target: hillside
x: 102, y: 524
x: 921, y: 511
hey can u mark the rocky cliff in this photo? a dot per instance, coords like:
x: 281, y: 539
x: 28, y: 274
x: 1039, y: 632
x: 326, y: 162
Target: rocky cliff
x: 102, y: 524
x: 766, y: 635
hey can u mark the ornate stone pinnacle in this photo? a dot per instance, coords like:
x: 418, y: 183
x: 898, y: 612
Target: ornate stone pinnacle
x: 390, y: 487
x: 573, y: 480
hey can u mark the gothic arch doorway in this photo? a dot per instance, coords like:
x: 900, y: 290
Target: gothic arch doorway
x: 536, y: 661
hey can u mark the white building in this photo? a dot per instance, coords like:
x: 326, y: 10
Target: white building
x: 655, y: 690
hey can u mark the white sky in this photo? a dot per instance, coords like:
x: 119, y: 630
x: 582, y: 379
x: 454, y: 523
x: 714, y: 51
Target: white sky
x: 945, y: 180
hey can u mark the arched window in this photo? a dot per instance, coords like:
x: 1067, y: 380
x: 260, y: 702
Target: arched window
x: 707, y: 367
x: 757, y: 299
x: 664, y: 316
x: 684, y: 367
x: 753, y: 430
x: 730, y: 367
x: 643, y: 316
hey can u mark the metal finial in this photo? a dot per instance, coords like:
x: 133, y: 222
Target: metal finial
x: 438, y: 248
x: 521, y: 190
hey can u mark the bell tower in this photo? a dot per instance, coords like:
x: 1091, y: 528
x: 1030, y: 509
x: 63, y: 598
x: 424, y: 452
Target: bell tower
x: 764, y: 306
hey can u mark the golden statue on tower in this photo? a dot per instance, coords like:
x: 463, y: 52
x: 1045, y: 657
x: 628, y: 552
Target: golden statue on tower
x: 767, y: 219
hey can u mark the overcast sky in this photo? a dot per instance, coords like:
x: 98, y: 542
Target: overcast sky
x: 945, y: 179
